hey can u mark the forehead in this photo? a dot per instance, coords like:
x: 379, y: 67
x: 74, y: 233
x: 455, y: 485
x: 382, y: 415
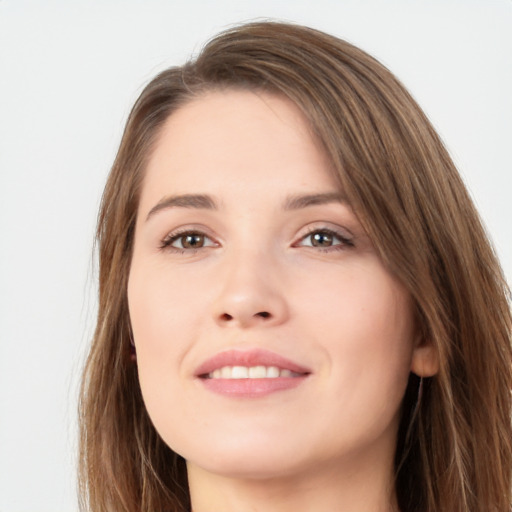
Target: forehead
x: 256, y: 141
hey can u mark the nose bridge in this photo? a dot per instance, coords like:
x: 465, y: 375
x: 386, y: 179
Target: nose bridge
x: 251, y: 292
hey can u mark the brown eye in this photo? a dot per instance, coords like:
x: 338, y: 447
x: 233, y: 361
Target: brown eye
x: 321, y: 239
x: 187, y: 241
x: 191, y: 241
x: 326, y: 239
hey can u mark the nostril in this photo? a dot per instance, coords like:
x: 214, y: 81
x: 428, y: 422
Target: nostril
x: 242, y: 318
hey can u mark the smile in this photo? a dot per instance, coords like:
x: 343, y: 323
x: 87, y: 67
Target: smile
x: 251, y: 372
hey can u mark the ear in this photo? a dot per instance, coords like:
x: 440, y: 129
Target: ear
x: 425, y: 359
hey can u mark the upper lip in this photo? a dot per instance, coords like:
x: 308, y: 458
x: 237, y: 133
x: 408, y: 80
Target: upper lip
x: 255, y: 357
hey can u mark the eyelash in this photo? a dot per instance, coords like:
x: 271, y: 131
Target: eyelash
x: 167, y: 242
x: 345, y: 242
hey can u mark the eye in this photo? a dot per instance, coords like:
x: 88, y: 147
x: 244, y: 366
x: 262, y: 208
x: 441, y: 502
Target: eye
x: 187, y: 241
x: 325, y: 239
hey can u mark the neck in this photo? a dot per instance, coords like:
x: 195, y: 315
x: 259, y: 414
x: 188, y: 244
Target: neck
x: 354, y: 488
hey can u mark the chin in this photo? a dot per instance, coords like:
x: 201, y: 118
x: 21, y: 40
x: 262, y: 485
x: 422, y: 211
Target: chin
x: 249, y: 461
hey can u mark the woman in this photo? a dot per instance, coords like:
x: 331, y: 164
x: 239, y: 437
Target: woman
x: 299, y: 308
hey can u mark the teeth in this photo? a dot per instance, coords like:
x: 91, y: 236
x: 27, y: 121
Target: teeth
x: 252, y: 372
x: 257, y: 372
x: 239, y: 372
x: 272, y: 372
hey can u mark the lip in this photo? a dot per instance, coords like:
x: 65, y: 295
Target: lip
x: 250, y: 388
x: 257, y: 357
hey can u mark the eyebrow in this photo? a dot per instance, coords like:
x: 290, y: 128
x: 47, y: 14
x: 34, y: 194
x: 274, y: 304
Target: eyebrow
x: 303, y: 201
x: 206, y: 202
x: 199, y: 201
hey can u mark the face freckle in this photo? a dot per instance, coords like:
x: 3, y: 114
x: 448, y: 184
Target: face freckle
x: 248, y: 255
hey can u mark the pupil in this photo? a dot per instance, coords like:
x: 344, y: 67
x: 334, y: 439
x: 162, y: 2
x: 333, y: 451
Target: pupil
x: 322, y: 240
x: 191, y: 241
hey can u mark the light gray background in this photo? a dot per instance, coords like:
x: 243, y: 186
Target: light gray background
x: 69, y: 72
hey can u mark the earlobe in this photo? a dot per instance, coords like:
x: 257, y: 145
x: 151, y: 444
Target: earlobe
x: 425, y: 360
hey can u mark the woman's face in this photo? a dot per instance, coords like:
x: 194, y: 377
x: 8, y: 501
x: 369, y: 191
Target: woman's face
x: 270, y: 338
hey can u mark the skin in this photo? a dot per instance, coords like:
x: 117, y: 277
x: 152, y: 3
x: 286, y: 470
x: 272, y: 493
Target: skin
x: 257, y: 280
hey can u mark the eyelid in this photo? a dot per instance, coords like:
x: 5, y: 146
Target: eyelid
x: 167, y: 241
x: 345, y: 237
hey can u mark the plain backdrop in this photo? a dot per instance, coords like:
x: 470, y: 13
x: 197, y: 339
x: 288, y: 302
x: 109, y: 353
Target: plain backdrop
x: 69, y: 72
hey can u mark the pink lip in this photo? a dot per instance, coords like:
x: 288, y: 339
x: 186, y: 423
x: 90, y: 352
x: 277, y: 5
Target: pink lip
x: 250, y: 388
x: 257, y: 357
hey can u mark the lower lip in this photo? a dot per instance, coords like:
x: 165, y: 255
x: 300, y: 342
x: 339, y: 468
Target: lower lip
x: 251, y: 388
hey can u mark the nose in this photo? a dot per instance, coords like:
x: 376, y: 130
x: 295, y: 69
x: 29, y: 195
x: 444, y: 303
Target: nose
x: 252, y: 293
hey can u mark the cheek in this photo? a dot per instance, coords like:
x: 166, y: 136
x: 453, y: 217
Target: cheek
x: 161, y: 312
x: 360, y: 303
x: 164, y: 328
x: 160, y: 328
x: 362, y: 317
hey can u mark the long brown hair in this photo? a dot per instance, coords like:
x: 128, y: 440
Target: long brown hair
x: 454, y: 446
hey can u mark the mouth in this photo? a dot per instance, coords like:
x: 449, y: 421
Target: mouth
x: 250, y: 373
